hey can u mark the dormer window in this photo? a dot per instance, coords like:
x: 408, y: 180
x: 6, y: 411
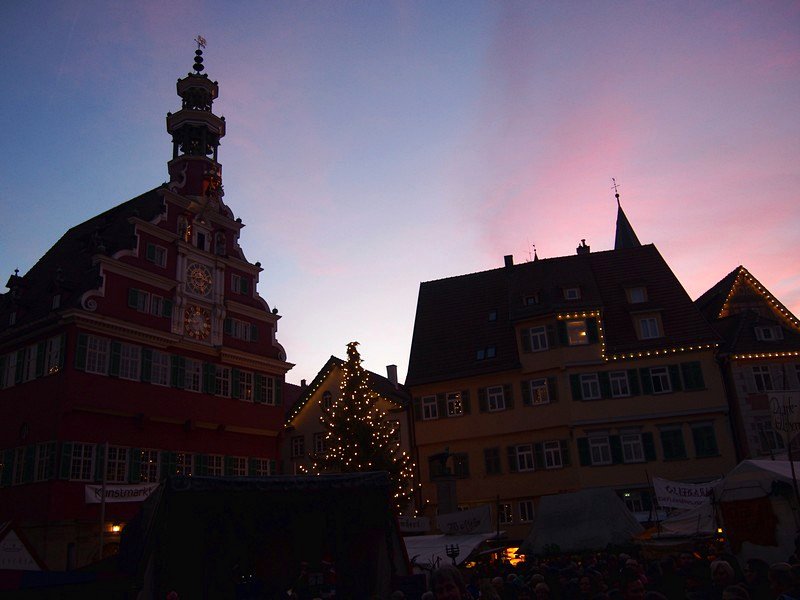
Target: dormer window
x: 636, y: 295
x: 531, y: 300
x: 768, y: 333
x: 493, y: 315
x: 648, y: 327
x: 572, y: 293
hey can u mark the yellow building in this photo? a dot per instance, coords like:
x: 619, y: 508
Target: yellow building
x: 584, y: 371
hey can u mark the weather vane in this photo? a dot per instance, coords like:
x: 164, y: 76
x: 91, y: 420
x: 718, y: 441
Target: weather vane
x: 201, y: 41
x: 615, y: 186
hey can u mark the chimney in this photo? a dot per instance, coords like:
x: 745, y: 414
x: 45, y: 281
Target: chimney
x: 583, y: 248
x: 303, y: 384
x: 509, y: 258
x: 391, y: 374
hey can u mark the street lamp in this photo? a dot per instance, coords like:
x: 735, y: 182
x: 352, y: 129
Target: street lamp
x: 452, y: 551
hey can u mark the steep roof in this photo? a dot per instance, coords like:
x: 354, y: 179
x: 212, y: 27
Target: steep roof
x: 453, y: 316
x: 625, y: 236
x: 67, y: 268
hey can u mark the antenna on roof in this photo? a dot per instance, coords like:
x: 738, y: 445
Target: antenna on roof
x: 615, y: 187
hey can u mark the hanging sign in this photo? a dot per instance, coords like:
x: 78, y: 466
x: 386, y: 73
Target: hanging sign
x: 474, y: 520
x: 119, y: 493
x: 785, y: 410
x: 414, y: 524
x: 675, y: 494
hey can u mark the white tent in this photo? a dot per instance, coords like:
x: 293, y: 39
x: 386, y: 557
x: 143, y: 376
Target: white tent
x: 430, y: 550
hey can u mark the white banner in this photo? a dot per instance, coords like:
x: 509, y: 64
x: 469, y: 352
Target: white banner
x: 414, y: 524
x: 119, y: 493
x: 474, y: 520
x: 675, y: 494
x: 785, y: 410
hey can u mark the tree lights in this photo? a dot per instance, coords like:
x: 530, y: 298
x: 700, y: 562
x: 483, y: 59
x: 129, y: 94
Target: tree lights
x: 359, y: 437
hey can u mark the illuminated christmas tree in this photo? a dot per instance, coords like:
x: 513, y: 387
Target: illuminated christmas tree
x: 359, y: 436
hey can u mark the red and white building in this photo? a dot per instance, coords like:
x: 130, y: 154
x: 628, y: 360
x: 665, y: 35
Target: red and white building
x: 137, y: 347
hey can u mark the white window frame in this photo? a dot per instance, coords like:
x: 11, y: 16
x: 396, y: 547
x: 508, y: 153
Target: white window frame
x: 430, y: 408
x: 18, y: 466
x: 192, y: 375
x: 10, y: 373
x: 620, y: 387
x: 526, y: 511
x: 632, y: 447
x: 238, y: 466
x: 184, y: 464
x: 327, y: 400
x: 506, y: 513
x: 600, y: 450
x: 319, y: 442
x: 130, y: 362
x: 159, y: 255
x: 649, y: 328
x: 246, y: 386
x: 44, y: 459
x: 495, y: 398
x: 577, y: 332
x: 660, y: 374
x: 762, y: 377
x: 240, y: 329
x: 590, y: 386
x: 149, y: 465
x: 525, y: 455
x: 267, y: 389
x: 537, y: 338
x: 455, y: 407
x: 215, y: 465
x: 540, y: 393
x: 81, y: 465
x: 117, y: 464
x: 298, y: 446
x: 29, y: 364
x: 97, y: 354
x: 261, y: 467
x: 633, y: 500
x: 160, y: 368
x: 52, y: 357
x: 768, y: 333
x: 553, y: 459
x: 222, y: 381
x: 156, y: 307
x: 572, y: 293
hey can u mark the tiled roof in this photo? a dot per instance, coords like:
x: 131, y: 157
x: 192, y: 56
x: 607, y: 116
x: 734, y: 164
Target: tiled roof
x: 453, y: 314
x: 67, y: 268
x: 712, y: 301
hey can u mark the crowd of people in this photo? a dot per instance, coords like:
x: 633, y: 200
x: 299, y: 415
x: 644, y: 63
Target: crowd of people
x: 611, y: 576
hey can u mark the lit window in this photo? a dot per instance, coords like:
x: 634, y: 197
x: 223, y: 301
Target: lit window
x: 430, y: 410
x: 539, y: 393
x: 506, y: 515
x: 552, y: 455
x: 648, y: 328
x: 495, y: 399
x: 184, y: 464
x: 619, y: 384
x: 632, y: 449
x: 577, y: 333
x: 590, y: 386
x: 454, y: 406
x: 149, y: 465
x: 600, y: 450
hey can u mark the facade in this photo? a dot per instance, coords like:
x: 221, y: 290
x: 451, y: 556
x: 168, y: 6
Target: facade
x: 759, y: 357
x: 137, y: 347
x: 304, y: 434
x: 557, y: 375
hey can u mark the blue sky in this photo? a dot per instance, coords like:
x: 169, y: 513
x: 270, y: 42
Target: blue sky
x: 374, y: 145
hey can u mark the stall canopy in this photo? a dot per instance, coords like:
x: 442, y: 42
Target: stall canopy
x: 585, y: 520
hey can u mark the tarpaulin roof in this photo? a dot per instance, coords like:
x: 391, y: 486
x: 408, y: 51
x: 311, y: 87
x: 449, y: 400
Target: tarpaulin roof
x: 431, y: 549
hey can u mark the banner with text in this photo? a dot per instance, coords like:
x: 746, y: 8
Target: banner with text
x: 785, y: 409
x: 474, y: 520
x: 414, y: 524
x: 119, y: 493
x: 675, y: 494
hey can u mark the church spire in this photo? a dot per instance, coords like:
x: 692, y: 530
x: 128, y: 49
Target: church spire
x: 626, y: 237
x: 196, y: 132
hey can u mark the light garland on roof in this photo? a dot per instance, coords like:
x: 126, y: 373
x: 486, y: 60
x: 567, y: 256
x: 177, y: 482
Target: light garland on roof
x: 661, y: 351
x: 766, y: 354
x: 774, y: 302
x: 320, y: 379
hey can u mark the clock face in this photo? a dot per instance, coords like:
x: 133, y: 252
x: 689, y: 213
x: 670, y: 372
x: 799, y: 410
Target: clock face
x: 198, y: 279
x: 197, y: 322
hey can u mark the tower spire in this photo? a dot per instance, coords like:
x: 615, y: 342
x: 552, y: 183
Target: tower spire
x: 626, y: 236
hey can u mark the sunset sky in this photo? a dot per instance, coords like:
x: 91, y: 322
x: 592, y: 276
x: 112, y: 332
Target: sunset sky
x: 372, y: 145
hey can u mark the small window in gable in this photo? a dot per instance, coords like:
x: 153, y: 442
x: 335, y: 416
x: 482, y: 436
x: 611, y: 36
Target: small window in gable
x: 531, y: 299
x: 768, y: 333
x: 493, y: 315
x: 572, y: 293
x: 636, y: 295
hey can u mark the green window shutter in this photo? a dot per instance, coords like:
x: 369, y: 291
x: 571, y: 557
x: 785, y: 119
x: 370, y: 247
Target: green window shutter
x: 633, y: 381
x: 40, y: 350
x: 30, y: 460
x: 251, y: 467
x: 512, y: 459
x: 483, y: 405
x: 20, y: 366
x: 113, y: 369
x: 201, y: 464
x: 99, y: 461
x: 592, y: 330
x: 278, y: 392
x: 80, y: 352
x: 525, y: 339
x: 647, y: 383
x: 147, y: 364
x: 675, y: 378
x: 649, y: 446
x: 692, y: 375
x: 616, y: 449
x: 135, y: 470
x: 227, y: 326
x: 605, y: 384
x: 575, y: 386
x: 133, y: 297
x: 209, y: 378
x: 525, y: 387
x: 253, y: 333
x: 552, y: 338
x: 538, y: 456
x: 228, y: 466
x: 465, y: 403
x: 273, y: 467
x: 166, y: 310
x: 552, y: 389
x: 584, y: 456
x: 66, y: 460
x: 2, y: 365
x: 258, y: 388
x: 50, y: 469
x: 151, y: 252
x: 508, y: 396
x: 235, y: 387
x: 563, y: 338
x: 174, y: 363
x: 417, y: 408
x: 441, y: 406
x: 564, y: 452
